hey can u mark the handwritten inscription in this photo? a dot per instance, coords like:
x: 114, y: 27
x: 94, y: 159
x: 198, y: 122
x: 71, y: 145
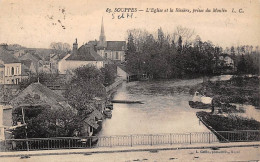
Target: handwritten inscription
x: 130, y: 13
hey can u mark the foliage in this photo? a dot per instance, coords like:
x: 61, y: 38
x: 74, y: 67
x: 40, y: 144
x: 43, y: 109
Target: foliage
x: 109, y: 72
x: 59, y: 46
x: 44, y: 78
x: 239, y: 89
x: 167, y: 57
x: 44, y: 122
x: 230, y: 123
x: 177, y: 56
x: 85, y: 85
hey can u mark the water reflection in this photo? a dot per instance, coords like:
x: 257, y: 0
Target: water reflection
x: 165, y: 109
x: 250, y: 111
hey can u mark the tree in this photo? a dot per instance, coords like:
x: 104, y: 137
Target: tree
x: 59, y: 46
x: 241, y: 67
x: 185, y: 33
x: 197, y: 41
x: 109, y: 72
x: 85, y: 85
x: 44, y: 122
x: 232, y: 50
x: 180, y: 44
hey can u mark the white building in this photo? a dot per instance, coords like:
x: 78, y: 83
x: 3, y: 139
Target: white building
x: 12, y: 71
x: 85, y: 55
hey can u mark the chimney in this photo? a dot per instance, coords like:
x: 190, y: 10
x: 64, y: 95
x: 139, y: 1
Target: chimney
x: 3, y: 46
x: 75, y: 47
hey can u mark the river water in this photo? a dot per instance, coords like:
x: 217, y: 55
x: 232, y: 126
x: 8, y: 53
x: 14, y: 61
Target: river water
x: 165, y: 108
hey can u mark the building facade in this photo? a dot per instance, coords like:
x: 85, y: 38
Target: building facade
x: 85, y: 55
x: 111, y: 50
x: 12, y: 71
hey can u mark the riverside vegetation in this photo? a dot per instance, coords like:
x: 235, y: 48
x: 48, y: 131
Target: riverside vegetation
x: 239, y: 89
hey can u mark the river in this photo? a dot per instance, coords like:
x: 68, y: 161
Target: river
x: 165, y: 108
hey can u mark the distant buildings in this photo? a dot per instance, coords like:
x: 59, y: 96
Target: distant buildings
x: 85, y: 55
x: 226, y: 61
x: 12, y: 71
x: 111, y: 50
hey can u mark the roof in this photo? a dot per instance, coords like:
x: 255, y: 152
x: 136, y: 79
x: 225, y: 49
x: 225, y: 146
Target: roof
x: 86, y: 53
x: 90, y: 120
x: 46, y: 96
x: 29, y: 56
x: 7, y: 57
x: 27, y: 62
x: 123, y: 67
x: 116, y: 45
x: 94, y: 43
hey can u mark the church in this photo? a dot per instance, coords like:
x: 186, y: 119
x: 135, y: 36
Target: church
x: 96, y: 53
x: 109, y: 50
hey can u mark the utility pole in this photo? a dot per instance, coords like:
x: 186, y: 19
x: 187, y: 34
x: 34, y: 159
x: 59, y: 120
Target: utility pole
x: 27, y: 144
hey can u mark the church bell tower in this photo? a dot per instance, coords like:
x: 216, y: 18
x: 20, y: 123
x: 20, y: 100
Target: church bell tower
x: 102, y: 37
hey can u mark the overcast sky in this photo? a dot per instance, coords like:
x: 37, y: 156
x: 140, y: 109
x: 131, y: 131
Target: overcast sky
x: 37, y: 23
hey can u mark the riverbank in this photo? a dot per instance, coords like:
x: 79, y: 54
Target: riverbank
x: 111, y: 89
x: 218, y: 123
x: 239, y: 89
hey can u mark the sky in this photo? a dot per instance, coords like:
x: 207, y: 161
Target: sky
x: 38, y: 23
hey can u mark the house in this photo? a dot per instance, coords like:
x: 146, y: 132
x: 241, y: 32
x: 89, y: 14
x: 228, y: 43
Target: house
x: 85, y: 55
x: 38, y: 94
x: 12, y: 71
x: 122, y: 72
x: 30, y: 61
x: 112, y: 50
x: 91, y: 123
x: 226, y: 60
x: 54, y: 60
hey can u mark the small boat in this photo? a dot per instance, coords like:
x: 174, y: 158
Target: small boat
x: 109, y: 106
x: 107, y: 113
x: 199, y: 105
x: 127, y: 102
x: 200, y: 102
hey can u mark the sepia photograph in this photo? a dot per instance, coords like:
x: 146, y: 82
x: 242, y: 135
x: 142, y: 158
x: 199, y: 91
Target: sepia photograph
x: 129, y: 80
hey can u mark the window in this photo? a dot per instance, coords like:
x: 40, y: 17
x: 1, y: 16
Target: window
x: 1, y: 74
x: 12, y: 71
x: 17, y: 81
x: 90, y: 129
x: 117, y: 55
x: 17, y: 70
x: 105, y: 55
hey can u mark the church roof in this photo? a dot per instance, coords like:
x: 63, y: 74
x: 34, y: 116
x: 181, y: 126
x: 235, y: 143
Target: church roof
x: 116, y: 45
x: 86, y: 53
x: 7, y: 57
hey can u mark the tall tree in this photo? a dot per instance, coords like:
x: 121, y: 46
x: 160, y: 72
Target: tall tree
x: 180, y: 44
x: 85, y: 85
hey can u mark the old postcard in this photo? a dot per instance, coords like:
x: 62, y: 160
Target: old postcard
x: 129, y: 80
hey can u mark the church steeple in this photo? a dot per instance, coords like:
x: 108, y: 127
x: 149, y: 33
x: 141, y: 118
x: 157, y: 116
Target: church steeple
x: 102, y: 37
